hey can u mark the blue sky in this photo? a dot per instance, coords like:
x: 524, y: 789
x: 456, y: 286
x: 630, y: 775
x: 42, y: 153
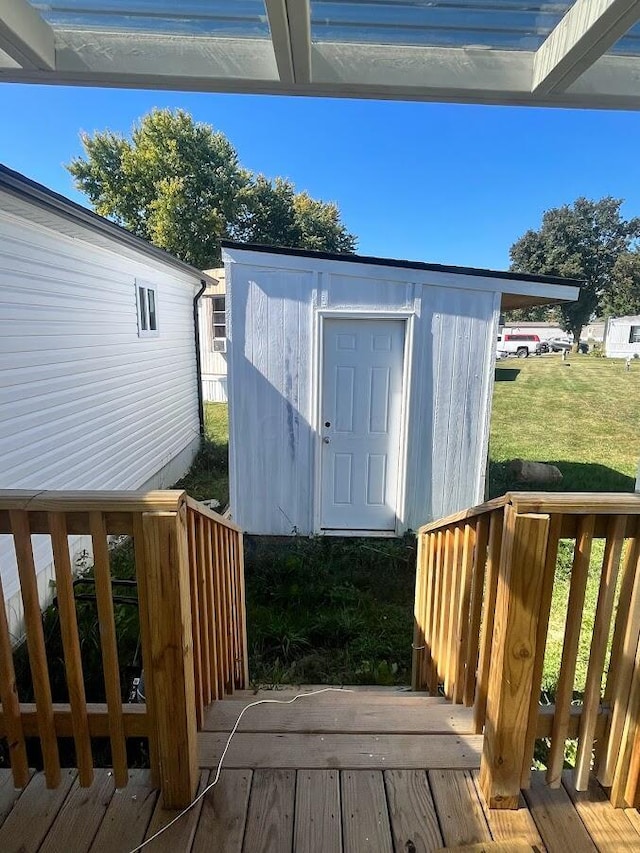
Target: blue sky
x: 441, y: 183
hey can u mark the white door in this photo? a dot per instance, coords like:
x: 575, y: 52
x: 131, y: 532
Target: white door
x: 361, y: 402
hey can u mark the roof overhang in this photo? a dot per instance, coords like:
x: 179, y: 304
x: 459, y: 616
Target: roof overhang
x: 517, y: 290
x: 569, y: 54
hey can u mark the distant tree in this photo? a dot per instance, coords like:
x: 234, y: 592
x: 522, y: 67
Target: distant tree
x: 270, y: 212
x: 582, y: 241
x: 624, y: 296
x: 320, y: 225
x: 179, y: 184
x: 534, y: 314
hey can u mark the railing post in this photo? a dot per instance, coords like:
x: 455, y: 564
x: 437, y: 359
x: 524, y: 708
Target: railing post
x: 511, y: 677
x: 171, y: 699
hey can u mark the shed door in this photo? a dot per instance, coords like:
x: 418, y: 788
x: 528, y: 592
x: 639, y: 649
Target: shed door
x: 361, y: 403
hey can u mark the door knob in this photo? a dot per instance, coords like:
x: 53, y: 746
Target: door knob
x: 326, y: 439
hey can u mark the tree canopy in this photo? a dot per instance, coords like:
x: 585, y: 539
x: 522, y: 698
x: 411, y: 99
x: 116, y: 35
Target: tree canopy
x: 585, y: 241
x: 179, y: 184
x: 624, y: 297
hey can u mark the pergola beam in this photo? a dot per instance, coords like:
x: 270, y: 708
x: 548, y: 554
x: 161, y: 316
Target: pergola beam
x: 280, y: 38
x: 299, y: 12
x: 290, y: 26
x: 584, y: 34
x: 25, y: 37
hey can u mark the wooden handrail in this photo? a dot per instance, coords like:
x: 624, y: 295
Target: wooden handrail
x: 482, y: 640
x: 201, y: 509
x: 190, y: 579
x: 567, y: 503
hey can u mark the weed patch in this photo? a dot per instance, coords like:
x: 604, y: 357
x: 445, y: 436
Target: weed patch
x: 329, y: 610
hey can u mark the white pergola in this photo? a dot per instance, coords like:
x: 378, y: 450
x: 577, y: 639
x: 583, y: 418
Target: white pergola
x: 581, y: 54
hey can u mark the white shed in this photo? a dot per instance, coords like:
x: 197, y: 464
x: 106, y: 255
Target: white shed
x: 213, y: 338
x: 360, y: 388
x: 622, y: 337
x: 98, y: 359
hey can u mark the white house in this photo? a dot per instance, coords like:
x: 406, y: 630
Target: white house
x: 213, y: 339
x: 360, y: 388
x: 98, y: 359
x: 622, y: 337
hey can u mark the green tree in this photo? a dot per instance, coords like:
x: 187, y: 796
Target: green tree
x: 581, y: 241
x: 179, y: 184
x: 624, y: 297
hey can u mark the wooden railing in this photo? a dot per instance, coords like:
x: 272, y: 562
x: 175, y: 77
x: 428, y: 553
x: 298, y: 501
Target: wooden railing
x: 484, y: 589
x: 190, y: 578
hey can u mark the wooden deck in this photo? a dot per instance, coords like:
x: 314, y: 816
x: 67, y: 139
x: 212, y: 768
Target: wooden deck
x: 382, y: 772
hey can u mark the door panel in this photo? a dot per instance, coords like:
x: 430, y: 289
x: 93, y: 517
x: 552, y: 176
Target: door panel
x: 361, y: 403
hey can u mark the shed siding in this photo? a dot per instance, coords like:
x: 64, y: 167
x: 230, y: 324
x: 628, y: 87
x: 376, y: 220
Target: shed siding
x: 272, y: 321
x: 84, y: 402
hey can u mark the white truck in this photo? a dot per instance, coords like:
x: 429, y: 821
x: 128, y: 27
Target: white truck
x: 521, y: 344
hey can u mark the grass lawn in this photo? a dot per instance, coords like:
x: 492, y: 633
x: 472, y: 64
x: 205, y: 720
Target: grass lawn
x: 209, y: 474
x: 582, y: 415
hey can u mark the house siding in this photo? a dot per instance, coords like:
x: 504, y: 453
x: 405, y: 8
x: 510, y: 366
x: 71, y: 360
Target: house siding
x: 617, y: 338
x: 272, y: 315
x: 84, y: 402
x: 213, y: 364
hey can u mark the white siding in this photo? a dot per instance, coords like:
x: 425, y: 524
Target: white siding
x: 213, y: 364
x: 617, y: 338
x: 272, y: 386
x: 84, y: 402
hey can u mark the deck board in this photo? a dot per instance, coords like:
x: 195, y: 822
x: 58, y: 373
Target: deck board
x: 224, y: 814
x: 610, y: 828
x: 510, y: 824
x: 80, y: 817
x: 8, y: 793
x: 558, y: 822
x: 412, y: 812
x: 340, y: 716
x: 127, y: 817
x: 365, y: 819
x: 180, y: 835
x: 270, y: 816
x: 341, y: 751
x: 29, y: 821
x: 459, y: 809
x: 317, y: 819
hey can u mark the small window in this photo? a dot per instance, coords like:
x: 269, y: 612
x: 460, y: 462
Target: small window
x: 634, y: 335
x: 147, y: 304
x: 219, y: 320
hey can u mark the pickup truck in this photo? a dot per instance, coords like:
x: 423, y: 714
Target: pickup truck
x: 521, y: 345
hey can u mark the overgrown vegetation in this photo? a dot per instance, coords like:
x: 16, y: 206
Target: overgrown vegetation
x: 330, y: 611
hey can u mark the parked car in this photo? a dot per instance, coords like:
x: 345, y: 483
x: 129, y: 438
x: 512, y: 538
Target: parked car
x: 521, y: 345
x: 560, y: 344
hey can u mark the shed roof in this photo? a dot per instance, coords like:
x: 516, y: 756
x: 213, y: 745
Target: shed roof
x: 27, y: 190
x: 575, y: 53
x: 519, y: 290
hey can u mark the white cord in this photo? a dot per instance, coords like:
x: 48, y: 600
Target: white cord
x: 226, y: 749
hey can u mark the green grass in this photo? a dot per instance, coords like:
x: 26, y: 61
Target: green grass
x: 582, y: 415
x: 209, y: 474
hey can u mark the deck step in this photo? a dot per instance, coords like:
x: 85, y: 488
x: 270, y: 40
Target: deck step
x: 341, y: 751
x: 343, y: 714
x: 355, y: 695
